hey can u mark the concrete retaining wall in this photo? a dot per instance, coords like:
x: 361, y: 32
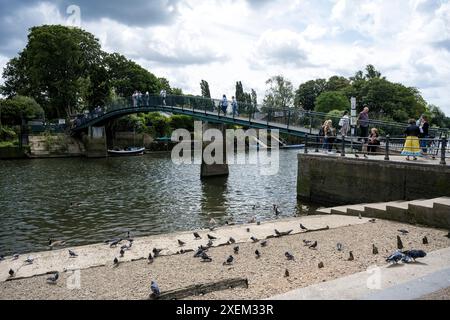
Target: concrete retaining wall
x: 55, y: 145
x: 334, y: 181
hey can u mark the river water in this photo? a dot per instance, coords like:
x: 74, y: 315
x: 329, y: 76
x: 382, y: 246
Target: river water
x: 86, y: 201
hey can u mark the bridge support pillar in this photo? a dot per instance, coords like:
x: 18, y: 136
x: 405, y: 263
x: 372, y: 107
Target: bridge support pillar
x: 95, y: 143
x: 219, y: 167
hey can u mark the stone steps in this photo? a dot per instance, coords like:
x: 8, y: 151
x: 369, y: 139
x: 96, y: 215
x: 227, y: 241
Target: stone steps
x: 433, y: 212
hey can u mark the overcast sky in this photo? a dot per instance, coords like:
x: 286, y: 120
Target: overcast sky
x: 224, y: 41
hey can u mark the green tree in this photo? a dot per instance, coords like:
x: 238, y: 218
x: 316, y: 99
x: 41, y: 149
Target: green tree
x: 13, y: 110
x: 336, y: 83
x: 50, y: 65
x: 279, y: 94
x: 307, y: 93
x: 127, y: 76
x: 254, y: 98
x: 204, y: 87
x: 332, y: 100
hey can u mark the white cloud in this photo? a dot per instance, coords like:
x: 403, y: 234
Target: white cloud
x: 224, y: 41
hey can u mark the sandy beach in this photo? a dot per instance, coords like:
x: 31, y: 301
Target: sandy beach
x: 266, y: 275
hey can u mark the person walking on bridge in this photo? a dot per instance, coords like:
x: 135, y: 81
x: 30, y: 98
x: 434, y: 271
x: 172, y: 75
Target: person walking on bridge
x: 234, y: 104
x: 163, y: 95
x: 224, y: 104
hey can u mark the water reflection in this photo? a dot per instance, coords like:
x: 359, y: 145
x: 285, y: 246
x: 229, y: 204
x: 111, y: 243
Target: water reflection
x: 147, y: 194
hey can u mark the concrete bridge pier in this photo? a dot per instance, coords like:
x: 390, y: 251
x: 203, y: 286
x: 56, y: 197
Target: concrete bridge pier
x: 95, y: 143
x: 219, y: 167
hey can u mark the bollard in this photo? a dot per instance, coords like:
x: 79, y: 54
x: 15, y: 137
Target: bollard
x: 386, y: 156
x: 306, y: 144
x: 343, y: 147
x: 443, y: 149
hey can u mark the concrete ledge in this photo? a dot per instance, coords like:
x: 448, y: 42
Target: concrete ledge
x: 342, y: 180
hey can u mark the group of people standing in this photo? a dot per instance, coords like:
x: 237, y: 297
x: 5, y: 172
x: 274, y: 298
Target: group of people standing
x: 140, y: 99
x: 416, y: 142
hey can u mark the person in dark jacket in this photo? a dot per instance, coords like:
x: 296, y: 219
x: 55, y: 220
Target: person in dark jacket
x: 412, y: 146
x: 424, y: 126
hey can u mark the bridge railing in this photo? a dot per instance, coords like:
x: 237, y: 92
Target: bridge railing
x: 437, y: 148
x: 288, y: 118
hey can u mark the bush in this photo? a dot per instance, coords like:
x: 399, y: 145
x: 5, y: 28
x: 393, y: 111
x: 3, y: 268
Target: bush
x: 13, y: 110
x: 182, y: 122
x: 7, y: 134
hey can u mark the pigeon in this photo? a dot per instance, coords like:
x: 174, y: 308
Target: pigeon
x: 307, y: 242
x: 303, y: 227
x: 205, y: 257
x: 351, y: 257
x: 122, y: 252
x: 181, y: 243
x: 258, y: 223
x: 320, y: 265
x: 29, y: 260
x: 254, y: 239
x: 197, y: 236
x: 286, y: 273
x: 356, y: 156
x: 58, y: 243
x: 359, y: 216
x: 236, y: 249
x: 258, y: 254
x: 413, y: 254
x: 150, y: 258
x: 155, y: 289
x: 314, y: 245
x: 395, y: 257
x: 278, y: 233
x: 72, y: 254
x: 11, y: 272
x: 399, y: 243
x: 15, y: 256
x: 372, y: 220
x: 126, y: 246
x: 276, y: 210
x: 264, y: 243
x: 52, y: 279
x: 425, y: 240
x: 114, y: 243
x: 339, y: 246
x: 403, y: 231
x: 156, y: 252
x: 210, y: 237
x: 231, y: 240
x: 2, y: 257
x: 374, y: 249
x: 116, y: 261
x: 289, y: 256
x: 248, y: 229
x: 210, y: 243
x: 229, y: 260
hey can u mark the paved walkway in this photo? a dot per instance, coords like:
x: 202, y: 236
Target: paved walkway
x: 389, y: 282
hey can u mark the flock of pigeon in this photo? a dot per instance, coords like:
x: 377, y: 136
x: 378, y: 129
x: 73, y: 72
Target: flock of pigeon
x: 406, y: 256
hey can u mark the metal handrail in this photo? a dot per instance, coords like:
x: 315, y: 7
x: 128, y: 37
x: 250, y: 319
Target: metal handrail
x: 289, y: 117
